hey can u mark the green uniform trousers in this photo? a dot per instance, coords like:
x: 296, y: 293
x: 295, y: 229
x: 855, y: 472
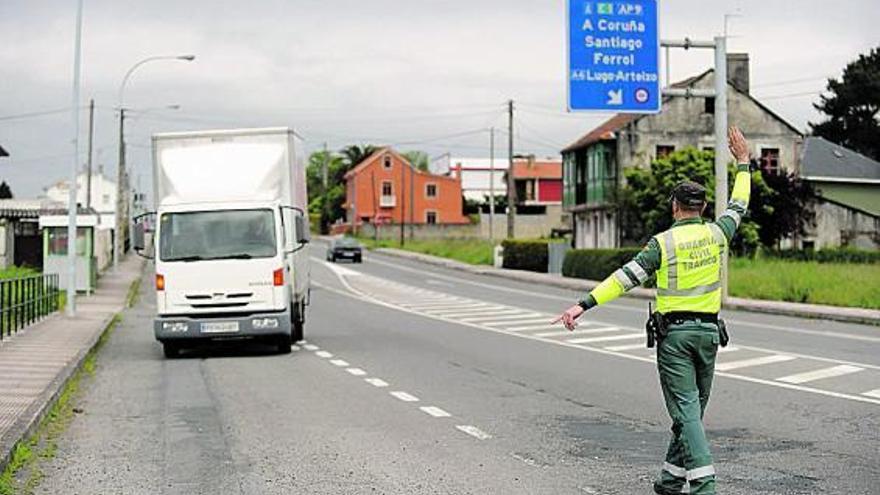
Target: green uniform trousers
x: 686, y: 363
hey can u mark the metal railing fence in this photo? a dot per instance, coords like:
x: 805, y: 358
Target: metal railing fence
x: 25, y: 300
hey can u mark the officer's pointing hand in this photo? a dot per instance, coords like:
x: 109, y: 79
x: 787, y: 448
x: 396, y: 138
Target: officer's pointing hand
x: 569, y: 316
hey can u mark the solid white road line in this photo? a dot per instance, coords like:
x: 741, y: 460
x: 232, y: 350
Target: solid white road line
x: 339, y: 362
x: 809, y: 376
x: 310, y: 347
x: 745, y: 363
x: 323, y: 354
x: 435, y: 411
x: 474, y: 432
x: 627, y: 347
x: 586, y: 331
x: 405, y: 396
x: 376, y: 382
x: 609, y: 338
x: 356, y: 371
x: 872, y: 393
x: 730, y: 348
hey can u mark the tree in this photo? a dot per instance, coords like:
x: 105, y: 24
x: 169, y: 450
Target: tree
x: 5, y: 191
x: 329, y: 204
x: 852, y: 107
x: 354, y: 154
x: 780, y: 205
x: 418, y: 159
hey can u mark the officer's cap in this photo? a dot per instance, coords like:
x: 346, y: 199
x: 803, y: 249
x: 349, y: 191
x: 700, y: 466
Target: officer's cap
x: 689, y: 194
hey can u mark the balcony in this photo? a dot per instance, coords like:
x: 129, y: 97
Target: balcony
x: 387, y: 201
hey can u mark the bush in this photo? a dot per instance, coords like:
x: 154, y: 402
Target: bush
x: 526, y: 255
x: 838, y: 255
x: 596, y: 264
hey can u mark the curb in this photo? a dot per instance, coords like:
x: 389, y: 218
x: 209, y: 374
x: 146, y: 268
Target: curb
x: 28, y: 423
x: 812, y: 311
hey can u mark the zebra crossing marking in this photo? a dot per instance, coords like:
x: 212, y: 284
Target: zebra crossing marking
x: 758, y: 361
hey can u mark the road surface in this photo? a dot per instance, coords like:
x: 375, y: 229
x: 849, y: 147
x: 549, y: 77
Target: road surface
x: 420, y: 380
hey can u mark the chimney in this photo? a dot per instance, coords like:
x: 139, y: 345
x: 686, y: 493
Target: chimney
x: 738, y: 71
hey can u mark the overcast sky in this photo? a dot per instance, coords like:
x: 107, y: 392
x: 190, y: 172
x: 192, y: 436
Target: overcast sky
x: 427, y: 75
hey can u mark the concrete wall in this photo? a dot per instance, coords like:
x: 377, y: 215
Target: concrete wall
x: 838, y: 226
x: 525, y: 227
x: 103, y: 249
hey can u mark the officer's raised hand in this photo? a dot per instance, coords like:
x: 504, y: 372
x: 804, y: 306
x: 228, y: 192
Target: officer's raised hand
x: 739, y: 148
x: 569, y: 317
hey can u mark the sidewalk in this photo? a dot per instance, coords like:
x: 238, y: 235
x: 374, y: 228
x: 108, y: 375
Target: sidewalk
x: 836, y: 313
x: 36, y: 362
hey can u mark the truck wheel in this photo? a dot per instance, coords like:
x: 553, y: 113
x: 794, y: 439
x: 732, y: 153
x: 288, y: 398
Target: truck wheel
x: 283, y: 344
x: 171, y: 350
x: 357, y: 259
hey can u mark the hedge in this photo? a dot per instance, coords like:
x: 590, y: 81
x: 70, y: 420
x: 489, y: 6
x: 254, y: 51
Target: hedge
x: 526, y: 255
x: 839, y: 255
x: 597, y: 264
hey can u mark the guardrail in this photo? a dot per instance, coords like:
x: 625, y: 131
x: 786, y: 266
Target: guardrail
x: 25, y: 300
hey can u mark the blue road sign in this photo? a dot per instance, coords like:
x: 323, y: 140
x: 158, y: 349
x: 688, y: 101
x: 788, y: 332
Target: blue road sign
x: 613, y: 56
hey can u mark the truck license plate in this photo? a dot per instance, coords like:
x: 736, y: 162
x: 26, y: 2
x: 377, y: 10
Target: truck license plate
x: 220, y: 327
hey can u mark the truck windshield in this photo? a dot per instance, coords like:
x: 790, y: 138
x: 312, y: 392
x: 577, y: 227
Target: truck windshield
x: 212, y: 235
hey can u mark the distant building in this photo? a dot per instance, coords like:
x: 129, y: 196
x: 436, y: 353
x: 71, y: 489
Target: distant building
x: 538, y: 182
x: 386, y: 188
x: 475, y: 174
x: 848, y: 186
x: 593, y: 165
x: 103, y: 197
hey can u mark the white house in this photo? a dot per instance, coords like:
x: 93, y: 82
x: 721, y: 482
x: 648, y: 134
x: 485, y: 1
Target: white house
x: 103, y: 197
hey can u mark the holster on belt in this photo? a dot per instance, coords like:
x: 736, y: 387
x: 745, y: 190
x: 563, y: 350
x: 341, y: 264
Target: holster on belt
x: 723, y: 337
x: 655, y: 327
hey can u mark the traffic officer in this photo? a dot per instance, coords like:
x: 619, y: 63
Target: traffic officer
x: 687, y: 260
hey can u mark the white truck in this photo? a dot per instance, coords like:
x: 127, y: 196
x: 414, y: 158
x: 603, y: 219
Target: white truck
x: 228, y: 237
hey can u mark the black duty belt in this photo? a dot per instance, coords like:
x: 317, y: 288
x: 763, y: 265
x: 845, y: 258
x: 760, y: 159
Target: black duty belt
x: 679, y: 317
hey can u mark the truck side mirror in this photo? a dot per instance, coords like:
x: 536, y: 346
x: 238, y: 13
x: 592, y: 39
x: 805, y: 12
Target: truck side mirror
x: 303, y: 236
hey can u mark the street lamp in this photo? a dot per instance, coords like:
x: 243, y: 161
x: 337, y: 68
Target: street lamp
x: 121, y: 181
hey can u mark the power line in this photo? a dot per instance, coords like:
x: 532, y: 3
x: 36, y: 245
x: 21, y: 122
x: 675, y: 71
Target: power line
x: 790, y: 95
x: 34, y: 114
x: 791, y: 81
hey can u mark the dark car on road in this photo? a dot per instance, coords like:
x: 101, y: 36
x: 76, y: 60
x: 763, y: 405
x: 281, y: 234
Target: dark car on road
x: 345, y: 248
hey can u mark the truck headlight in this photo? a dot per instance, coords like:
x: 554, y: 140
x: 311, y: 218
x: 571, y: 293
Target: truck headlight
x: 264, y: 323
x: 175, y: 326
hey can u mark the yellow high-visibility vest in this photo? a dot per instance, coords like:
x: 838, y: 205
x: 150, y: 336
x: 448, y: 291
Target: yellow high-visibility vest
x: 689, y: 278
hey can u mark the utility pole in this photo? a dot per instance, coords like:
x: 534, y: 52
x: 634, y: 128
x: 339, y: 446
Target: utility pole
x: 402, y: 203
x: 71, y: 195
x: 324, y: 223
x: 89, y: 159
x: 492, y: 186
x: 120, y: 192
x: 511, y: 184
x: 412, y: 202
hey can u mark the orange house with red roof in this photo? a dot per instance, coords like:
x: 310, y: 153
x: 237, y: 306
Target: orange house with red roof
x: 386, y: 188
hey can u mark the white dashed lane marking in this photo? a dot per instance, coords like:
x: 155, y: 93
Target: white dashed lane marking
x: 356, y: 371
x: 435, y: 411
x: 404, y: 396
x: 474, y: 432
x: 376, y: 382
x: 323, y: 354
x: 338, y: 362
x: 310, y: 347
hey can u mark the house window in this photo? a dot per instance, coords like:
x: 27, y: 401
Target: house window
x: 770, y: 160
x: 663, y: 150
x: 709, y: 106
x: 430, y: 190
x: 709, y: 149
x: 430, y: 217
x: 105, y: 199
x: 387, y: 189
x: 387, y: 162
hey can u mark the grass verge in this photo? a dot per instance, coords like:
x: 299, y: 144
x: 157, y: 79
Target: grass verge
x: 23, y: 474
x: 836, y: 284
x: 473, y: 251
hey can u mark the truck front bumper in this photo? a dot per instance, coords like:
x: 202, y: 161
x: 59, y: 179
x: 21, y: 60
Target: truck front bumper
x: 204, y: 327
